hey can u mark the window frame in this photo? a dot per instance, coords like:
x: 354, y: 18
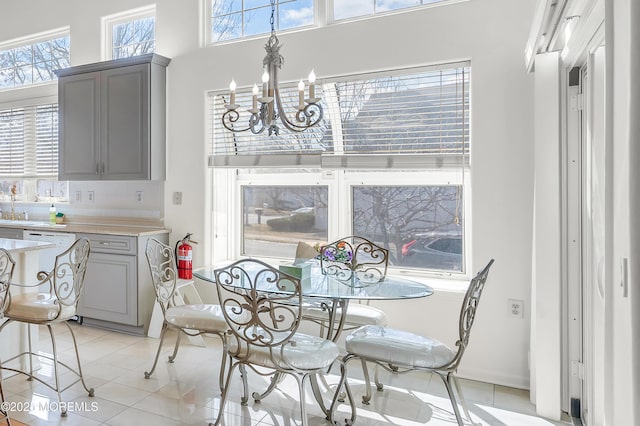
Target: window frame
x: 108, y: 22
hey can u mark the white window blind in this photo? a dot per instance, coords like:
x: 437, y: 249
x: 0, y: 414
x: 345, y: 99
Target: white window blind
x: 46, y: 137
x: 12, y: 142
x: 29, y: 142
x: 407, y: 119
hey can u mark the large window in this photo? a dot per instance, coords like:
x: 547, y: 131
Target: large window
x: 389, y: 163
x: 33, y: 62
x: 131, y: 33
x: 232, y: 19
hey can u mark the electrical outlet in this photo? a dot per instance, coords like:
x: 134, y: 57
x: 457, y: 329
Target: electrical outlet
x: 516, y: 308
x: 78, y: 196
x: 177, y: 198
x: 91, y: 196
x: 140, y: 197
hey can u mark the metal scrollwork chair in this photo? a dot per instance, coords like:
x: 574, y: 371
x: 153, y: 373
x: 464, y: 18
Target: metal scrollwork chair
x: 400, y: 351
x: 55, y: 301
x: 189, y: 319
x: 351, y: 259
x: 7, y: 265
x: 262, y: 308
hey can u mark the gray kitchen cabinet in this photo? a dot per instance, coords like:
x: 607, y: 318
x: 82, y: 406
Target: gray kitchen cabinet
x: 13, y: 233
x: 112, y: 119
x: 117, y: 293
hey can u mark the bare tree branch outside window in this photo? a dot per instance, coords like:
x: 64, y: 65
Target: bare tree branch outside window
x: 33, y: 63
x: 134, y: 38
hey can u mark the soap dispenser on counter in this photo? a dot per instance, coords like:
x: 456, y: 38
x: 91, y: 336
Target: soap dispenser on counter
x: 52, y: 214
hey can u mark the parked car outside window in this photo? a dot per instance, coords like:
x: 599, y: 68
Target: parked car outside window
x: 433, y: 252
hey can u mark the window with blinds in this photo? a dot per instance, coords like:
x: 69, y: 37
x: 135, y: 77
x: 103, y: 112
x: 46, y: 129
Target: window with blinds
x: 407, y: 119
x: 29, y: 142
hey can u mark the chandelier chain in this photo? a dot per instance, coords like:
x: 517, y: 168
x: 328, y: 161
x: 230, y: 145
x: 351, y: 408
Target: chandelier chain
x: 273, y: 19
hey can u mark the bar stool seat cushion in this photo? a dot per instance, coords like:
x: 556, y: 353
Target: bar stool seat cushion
x: 398, y: 347
x: 38, y: 307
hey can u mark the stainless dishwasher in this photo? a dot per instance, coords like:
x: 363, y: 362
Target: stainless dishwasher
x: 62, y: 240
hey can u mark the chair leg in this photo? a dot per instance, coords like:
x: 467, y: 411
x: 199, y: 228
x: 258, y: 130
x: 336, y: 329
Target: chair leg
x: 367, y: 383
x: 303, y: 399
x: 4, y: 415
x: 448, y: 383
x: 55, y: 369
x: 175, y: 349
x: 148, y: 374
x: 223, y: 363
x: 245, y: 385
x: 225, y: 391
x: 89, y: 390
x: 454, y: 378
x: 275, y: 379
x: 376, y: 378
x: 344, y: 381
x: 30, y: 378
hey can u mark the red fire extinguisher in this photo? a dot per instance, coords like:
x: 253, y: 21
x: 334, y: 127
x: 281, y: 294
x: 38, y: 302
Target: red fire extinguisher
x: 184, y: 257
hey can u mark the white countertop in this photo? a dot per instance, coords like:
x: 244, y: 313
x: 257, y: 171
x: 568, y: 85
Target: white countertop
x: 19, y: 246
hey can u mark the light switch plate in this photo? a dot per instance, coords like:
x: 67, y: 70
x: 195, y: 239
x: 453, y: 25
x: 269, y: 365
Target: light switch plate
x: 177, y: 198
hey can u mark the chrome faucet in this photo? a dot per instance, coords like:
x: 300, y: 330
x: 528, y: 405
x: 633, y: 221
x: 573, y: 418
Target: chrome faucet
x: 13, y: 200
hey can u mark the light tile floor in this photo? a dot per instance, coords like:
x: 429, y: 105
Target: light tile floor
x: 186, y: 392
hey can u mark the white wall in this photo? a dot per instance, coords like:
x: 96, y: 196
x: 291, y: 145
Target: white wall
x: 492, y: 33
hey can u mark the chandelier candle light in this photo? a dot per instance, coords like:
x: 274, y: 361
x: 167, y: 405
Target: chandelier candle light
x: 309, y: 111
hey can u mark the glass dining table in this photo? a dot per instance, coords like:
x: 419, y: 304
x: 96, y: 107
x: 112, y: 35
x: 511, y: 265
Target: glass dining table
x: 334, y: 294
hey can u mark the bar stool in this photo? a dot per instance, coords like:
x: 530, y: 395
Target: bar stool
x: 55, y: 301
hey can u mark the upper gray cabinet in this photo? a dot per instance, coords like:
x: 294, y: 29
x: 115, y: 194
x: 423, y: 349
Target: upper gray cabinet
x: 112, y: 120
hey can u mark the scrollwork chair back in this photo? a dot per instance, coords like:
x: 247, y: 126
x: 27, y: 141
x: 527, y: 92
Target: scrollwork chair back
x: 7, y: 264
x: 67, y: 277
x: 163, y: 273
x: 353, y: 258
x: 257, y: 318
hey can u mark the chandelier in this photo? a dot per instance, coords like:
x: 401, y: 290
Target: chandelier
x: 270, y: 110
